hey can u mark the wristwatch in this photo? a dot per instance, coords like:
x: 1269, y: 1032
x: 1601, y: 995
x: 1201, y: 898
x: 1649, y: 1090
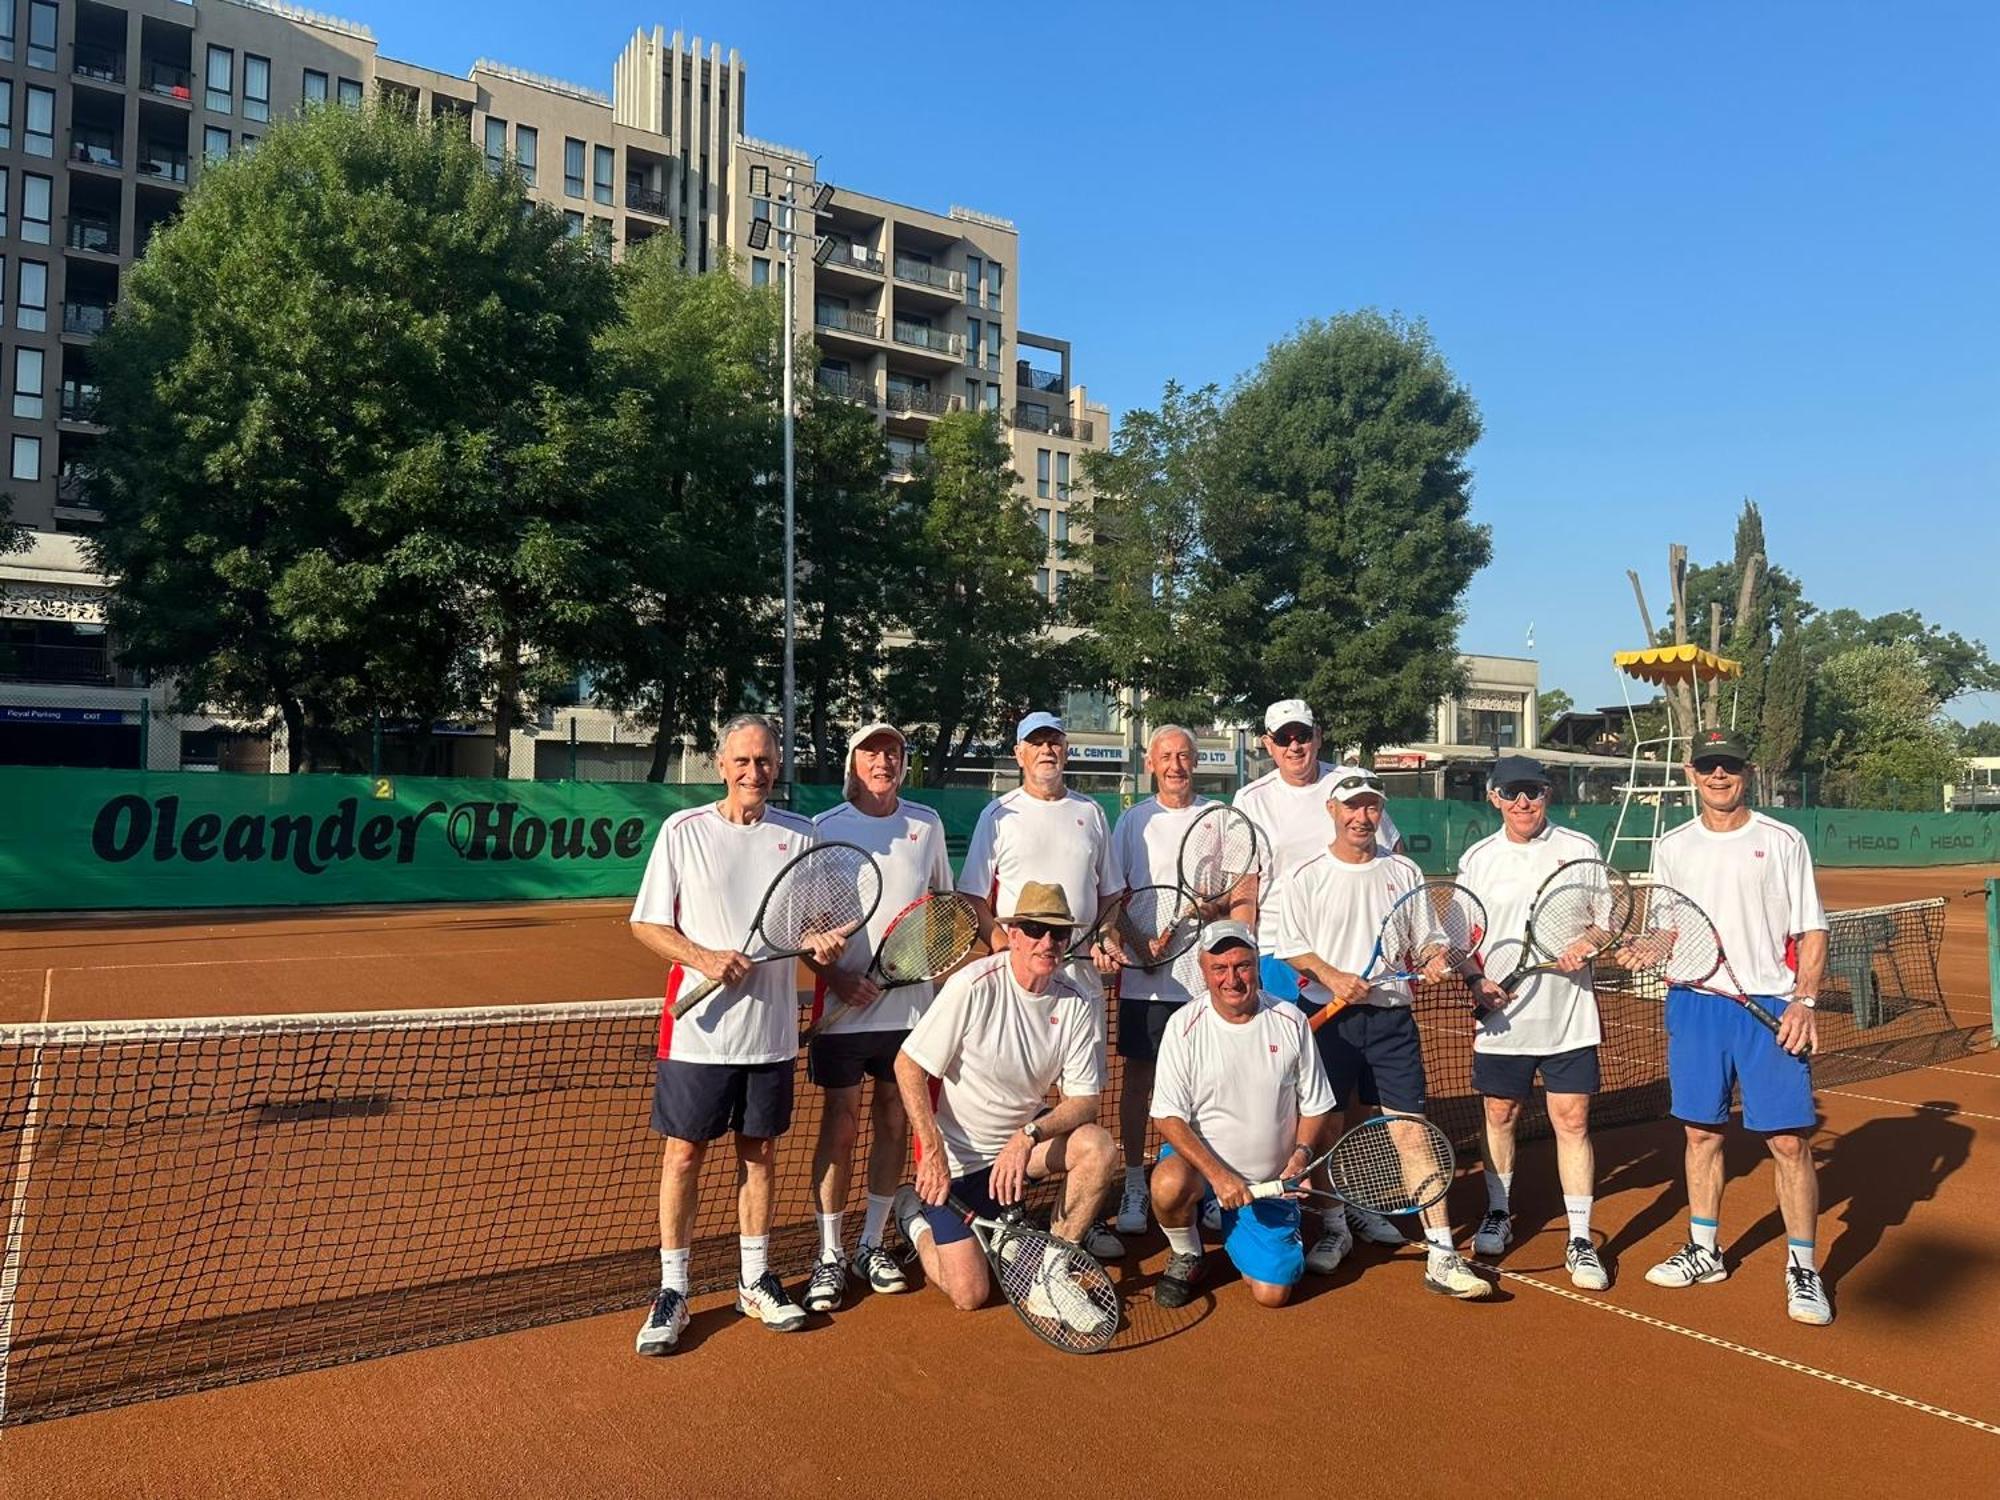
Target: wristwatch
x: 1810, y: 1002
x: 1032, y: 1131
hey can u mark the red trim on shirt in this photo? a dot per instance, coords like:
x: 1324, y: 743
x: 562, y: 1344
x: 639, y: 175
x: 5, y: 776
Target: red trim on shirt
x: 675, y: 975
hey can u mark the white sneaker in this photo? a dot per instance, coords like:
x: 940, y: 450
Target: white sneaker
x: 770, y: 1304
x: 1494, y: 1234
x: 1331, y: 1248
x: 828, y: 1287
x: 664, y: 1324
x: 1586, y: 1271
x: 878, y: 1268
x: 1373, y: 1228
x: 1805, y: 1297
x: 1687, y: 1266
x: 1102, y: 1243
x: 1446, y: 1271
x: 1054, y: 1295
x: 1211, y: 1216
x: 1132, y: 1210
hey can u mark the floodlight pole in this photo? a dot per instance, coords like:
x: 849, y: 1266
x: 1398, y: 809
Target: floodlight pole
x: 791, y: 541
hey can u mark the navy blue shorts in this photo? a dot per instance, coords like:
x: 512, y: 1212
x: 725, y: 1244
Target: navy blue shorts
x: 1714, y: 1044
x: 1141, y: 1025
x: 1511, y: 1075
x: 1373, y: 1053
x: 975, y: 1191
x: 704, y: 1101
x: 843, y: 1058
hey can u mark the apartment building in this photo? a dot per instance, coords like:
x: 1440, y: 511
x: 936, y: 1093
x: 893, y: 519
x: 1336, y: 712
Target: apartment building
x: 109, y: 110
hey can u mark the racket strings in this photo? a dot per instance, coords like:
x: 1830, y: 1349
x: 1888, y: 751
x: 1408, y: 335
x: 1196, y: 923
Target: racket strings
x: 928, y: 941
x: 1058, y: 1290
x: 1156, y: 925
x: 1677, y: 938
x: 1440, y: 920
x: 1393, y: 1164
x: 1221, y: 850
x: 1586, y: 911
x: 831, y: 889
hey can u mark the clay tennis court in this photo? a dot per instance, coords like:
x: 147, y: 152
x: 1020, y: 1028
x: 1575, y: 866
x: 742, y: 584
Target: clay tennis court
x: 1542, y: 1390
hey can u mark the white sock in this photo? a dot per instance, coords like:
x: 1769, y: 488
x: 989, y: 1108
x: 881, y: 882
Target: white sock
x: 917, y: 1230
x: 1182, y: 1241
x: 1801, y: 1253
x: 1578, y: 1210
x: 674, y: 1270
x: 754, y: 1250
x: 1498, y: 1186
x: 876, y: 1219
x: 1135, y: 1178
x: 829, y: 1235
x: 1704, y: 1232
x: 1440, y: 1240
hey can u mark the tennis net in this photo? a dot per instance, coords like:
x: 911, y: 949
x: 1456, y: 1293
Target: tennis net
x: 197, y: 1203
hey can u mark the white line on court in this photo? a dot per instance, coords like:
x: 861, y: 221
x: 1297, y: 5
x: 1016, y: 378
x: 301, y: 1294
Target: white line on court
x: 1757, y: 1354
x: 1970, y: 1114
x: 295, y: 958
x: 17, y: 1210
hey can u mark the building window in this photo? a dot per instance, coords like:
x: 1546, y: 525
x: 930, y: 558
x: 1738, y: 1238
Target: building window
x: 972, y: 395
x: 315, y: 87
x: 41, y: 35
x: 256, y: 87
x: 6, y: 33
x: 4, y: 185
x: 350, y: 93
x: 993, y: 275
x: 972, y: 264
x: 572, y: 166
x: 603, y: 160
x: 1486, y: 726
x: 221, y: 80
x: 1042, y: 523
x: 992, y: 397
x: 496, y: 143
x: 28, y: 377
x: 41, y: 133
x: 31, y: 301
x: 37, y: 200
x: 760, y: 271
x: 972, y: 342
x: 1042, y: 582
x: 248, y: 143
x: 573, y: 219
x: 6, y: 113
x: 214, y: 144
x: 527, y: 145
x: 1062, y: 516
x: 1062, y: 480
x: 27, y: 457
x: 1042, y: 473
x: 994, y: 337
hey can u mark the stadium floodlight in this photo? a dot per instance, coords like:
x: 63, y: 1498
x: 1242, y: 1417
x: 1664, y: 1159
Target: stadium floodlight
x: 824, y: 250
x: 760, y: 233
x: 822, y: 197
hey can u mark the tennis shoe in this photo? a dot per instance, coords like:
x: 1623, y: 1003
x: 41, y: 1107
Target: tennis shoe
x: 1373, y: 1228
x: 1132, y: 1210
x: 1586, y: 1271
x: 1102, y: 1243
x: 769, y: 1303
x: 828, y: 1287
x: 878, y: 1268
x: 664, y: 1324
x: 907, y: 1209
x: 1178, y: 1283
x: 1331, y: 1248
x: 1446, y: 1271
x: 1805, y: 1297
x: 1690, y: 1265
x: 1494, y: 1234
x: 1211, y: 1216
x: 1078, y: 1313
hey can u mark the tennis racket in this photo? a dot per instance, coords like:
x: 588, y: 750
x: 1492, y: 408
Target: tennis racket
x: 1388, y: 1164
x: 1219, y: 851
x: 1440, y: 919
x: 928, y: 939
x: 1676, y: 939
x: 829, y: 888
x: 1060, y: 1290
x: 1153, y: 925
x: 1584, y: 903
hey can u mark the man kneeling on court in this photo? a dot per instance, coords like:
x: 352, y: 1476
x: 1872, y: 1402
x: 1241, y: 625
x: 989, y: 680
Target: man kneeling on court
x: 1240, y: 1096
x: 1001, y: 1033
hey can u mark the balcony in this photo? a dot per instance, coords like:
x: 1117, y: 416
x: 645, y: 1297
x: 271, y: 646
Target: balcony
x: 93, y: 236
x: 936, y: 278
x: 932, y: 340
x: 91, y: 147
x: 1029, y: 378
x: 841, y: 320
x: 99, y: 64
x: 164, y: 164
x: 79, y: 665
x: 847, y: 256
x: 79, y: 402
x: 166, y: 81
x: 87, y: 319
x: 73, y: 490
x: 644, y: 200
x: 1055, y: 424
x: 904, y: 460
x: 907, y: 401
x: 847, y: 387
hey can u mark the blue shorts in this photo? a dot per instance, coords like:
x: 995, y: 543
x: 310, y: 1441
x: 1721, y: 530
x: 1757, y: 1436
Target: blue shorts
x: 1511, y: 1075
x: 1262, y: 1238
x: 1713, y: 1044
x: 1279, y: 978
x: 974, y: 1190
x: 1141, y: 1025
x: 1374, y: 1053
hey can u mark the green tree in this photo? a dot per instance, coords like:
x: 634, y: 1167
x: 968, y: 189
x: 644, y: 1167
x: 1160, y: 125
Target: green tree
x: 328, y: 479
x: 1951, y: 664
x: 1549, y: 707
x: 1781, y: 720
x: 1877, y: 731
x: 13, y: 536
x: 1982, y: 738
x: 1337, y: 573
x: 980, y: 649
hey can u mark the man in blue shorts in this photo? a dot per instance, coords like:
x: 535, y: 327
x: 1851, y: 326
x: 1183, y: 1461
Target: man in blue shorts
x: 1754, y: 877
x: 1240, y: 1097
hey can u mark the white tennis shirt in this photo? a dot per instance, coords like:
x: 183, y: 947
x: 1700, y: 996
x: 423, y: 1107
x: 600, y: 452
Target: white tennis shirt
x: 909, y: 849
x: 1241, y: 1086
x: 1756, y: 884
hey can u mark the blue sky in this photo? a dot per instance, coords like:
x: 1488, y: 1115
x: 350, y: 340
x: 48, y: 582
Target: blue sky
x: 1681, y: 254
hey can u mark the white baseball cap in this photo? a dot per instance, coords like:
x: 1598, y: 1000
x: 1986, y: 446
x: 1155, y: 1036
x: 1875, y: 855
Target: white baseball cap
x: 1219, y: 935
x: 1345, y: 783
x: 1036, y: 721
x: 1287, y: 711
x: 868, y: 732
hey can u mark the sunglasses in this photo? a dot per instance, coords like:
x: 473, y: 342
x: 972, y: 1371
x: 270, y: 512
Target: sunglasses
x: 1357, y: 784
x: 1726, y: 766
x: 1034, y: 932
x: 1290, y: 736
x: 1534, y: 791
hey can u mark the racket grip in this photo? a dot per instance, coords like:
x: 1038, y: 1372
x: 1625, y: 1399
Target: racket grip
x: 1277, y: 1187
x: 685, y: 1003
x: 826, y: 1018
x: 1327, y: 1012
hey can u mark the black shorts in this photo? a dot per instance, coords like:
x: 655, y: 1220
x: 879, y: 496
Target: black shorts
x: 1511, y: 1075
x: 704, y: 1101
x: 841, y: 1060
x: 1373, y: 1053
x: 1141, y: 1025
